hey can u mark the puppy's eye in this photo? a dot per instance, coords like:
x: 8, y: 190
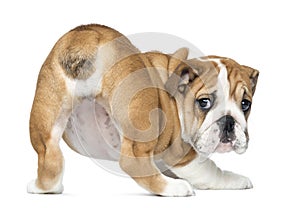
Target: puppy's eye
x: 204, y: 103
x: 246, y: 104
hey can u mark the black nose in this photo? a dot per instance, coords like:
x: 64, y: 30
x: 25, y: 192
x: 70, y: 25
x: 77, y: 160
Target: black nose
x: 226, y: 124
x: 229, y: 124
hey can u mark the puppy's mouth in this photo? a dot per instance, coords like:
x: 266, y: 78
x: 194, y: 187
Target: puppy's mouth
x: 210, y: 141
x: 224, y: 147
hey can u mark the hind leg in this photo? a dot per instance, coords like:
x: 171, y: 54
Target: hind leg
x: 49, y: 116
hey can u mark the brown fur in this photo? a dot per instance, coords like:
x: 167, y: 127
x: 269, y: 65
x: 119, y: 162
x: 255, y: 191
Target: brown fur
x: 50, y: 96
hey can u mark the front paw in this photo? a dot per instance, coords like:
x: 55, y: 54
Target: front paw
x: 226, y: 181
x: 177, y: 187
x: 234, y: 181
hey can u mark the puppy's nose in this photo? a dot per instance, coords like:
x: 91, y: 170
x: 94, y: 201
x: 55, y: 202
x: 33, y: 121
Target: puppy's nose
x: 226, y: 124
x: 229, y: 124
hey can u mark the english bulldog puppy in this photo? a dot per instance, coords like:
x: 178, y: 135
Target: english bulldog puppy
x: 109, y: 101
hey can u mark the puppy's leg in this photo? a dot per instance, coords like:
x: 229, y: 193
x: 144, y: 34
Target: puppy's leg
x: 137, y: 161
x: 204, y: 174
x: 49, y: 116
x: 141, y: 124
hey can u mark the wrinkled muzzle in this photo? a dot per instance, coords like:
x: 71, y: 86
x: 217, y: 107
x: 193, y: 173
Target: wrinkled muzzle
x: 224, y: 135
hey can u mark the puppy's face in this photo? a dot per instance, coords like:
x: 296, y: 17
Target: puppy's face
x: 214, y: 96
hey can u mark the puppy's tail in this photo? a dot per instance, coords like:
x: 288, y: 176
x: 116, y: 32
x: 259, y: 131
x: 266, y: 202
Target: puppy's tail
x: 78, y: 66
x: 77, y: 52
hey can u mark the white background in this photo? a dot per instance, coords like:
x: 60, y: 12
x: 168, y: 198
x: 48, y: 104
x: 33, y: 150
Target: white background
x: 261, y: 34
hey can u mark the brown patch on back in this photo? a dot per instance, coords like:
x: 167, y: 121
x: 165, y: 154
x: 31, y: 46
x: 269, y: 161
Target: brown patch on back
x: 77, y: 50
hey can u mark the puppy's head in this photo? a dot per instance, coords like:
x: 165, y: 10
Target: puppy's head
x: 214, y: 96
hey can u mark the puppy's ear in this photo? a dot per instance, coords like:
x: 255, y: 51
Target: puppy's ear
x: 253, y: 75
x: 181, y: 53
x: 176, y: 58
x: 180, y: 79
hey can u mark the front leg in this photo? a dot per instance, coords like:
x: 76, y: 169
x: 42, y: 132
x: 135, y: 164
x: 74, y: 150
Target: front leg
x: 137, y: 161
x: 204, y: 174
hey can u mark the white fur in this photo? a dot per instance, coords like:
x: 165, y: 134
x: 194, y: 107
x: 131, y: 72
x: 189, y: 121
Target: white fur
x: 177, y: 187
x: 33, y: 189
x: 185, y: 136
x: 58, y: 188
x: 241, y: 144
x: 60, y: 125
x: 207, y: 141
x: 204, y: 174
